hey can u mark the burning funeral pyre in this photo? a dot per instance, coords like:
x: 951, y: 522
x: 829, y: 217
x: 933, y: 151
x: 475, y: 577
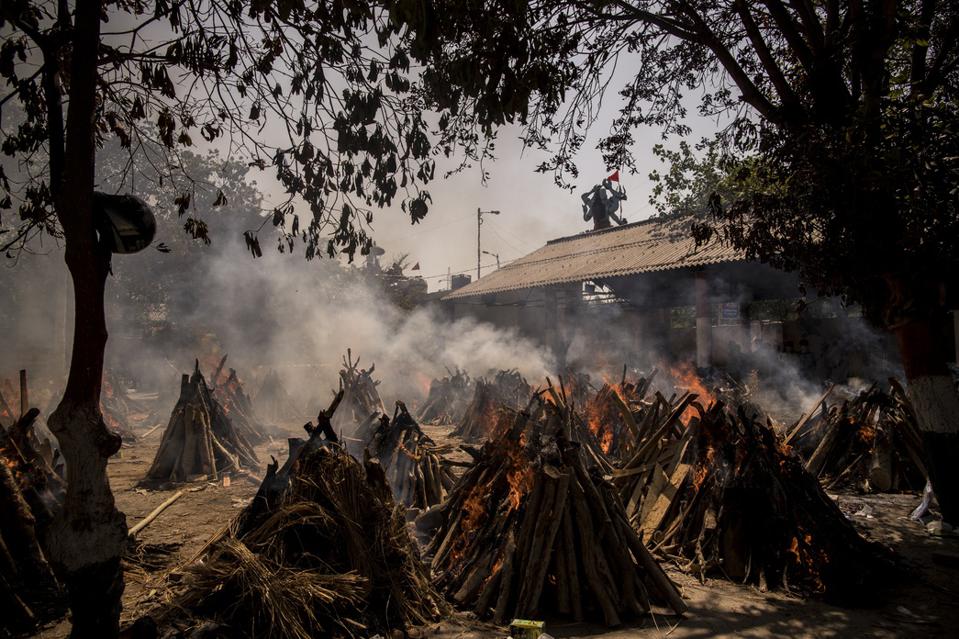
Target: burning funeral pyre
x: 616, y: 412
x: 322, y: 550
x: 236, y: 404
x: 30, y: 493
x: 362, y: 406
x: 870, y: 442
x: 507, y: 389
x: 448, y: 398
x: 200, y: 440
x: 412, y: 461
x: 117, y: 408
x: 531, y: 530
x: 273, y: 403
x: 722, y: 494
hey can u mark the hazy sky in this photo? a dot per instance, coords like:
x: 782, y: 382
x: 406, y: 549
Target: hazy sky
x: 532, y: 208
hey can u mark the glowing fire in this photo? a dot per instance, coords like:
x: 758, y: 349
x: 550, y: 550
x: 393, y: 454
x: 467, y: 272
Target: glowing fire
x: 702, y: 471
x: 520, y: 481
x: 423, y: 382
x: 686, y: 378
x: 602, y: 415
x: 475, y: 507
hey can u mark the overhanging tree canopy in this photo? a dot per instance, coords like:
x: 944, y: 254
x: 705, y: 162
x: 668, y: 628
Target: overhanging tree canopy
x: 320, y: 92
x: 838, y: 156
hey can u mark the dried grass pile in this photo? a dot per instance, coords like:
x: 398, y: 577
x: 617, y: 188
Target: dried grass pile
x: 321, y: 551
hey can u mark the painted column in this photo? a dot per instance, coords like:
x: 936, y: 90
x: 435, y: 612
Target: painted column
x: 704, y: 322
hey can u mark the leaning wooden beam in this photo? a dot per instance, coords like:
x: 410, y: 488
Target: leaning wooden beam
x: 807, y: 416
x: 146, y: 521
x: 151, y: 431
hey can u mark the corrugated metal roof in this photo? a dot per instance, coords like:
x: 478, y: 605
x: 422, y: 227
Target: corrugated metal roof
x: 658, y: 244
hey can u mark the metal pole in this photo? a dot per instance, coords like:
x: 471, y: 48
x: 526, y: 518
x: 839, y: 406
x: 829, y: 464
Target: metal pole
x: 479, y: 222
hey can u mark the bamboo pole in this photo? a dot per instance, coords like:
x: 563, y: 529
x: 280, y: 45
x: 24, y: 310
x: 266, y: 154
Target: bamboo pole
x: 146, y: 521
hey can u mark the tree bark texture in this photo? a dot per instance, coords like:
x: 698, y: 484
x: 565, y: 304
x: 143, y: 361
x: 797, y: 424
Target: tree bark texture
x: 86, y: 539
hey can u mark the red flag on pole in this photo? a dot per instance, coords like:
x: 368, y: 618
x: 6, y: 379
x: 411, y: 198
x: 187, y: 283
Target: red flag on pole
x: 614, y: 177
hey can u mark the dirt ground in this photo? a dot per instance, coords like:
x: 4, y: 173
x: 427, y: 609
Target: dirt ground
x: 920, y: 603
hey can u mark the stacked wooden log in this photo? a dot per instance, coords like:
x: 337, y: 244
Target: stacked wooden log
x: 36, y: 464
x: 7, y: 416
x: 273, y: 403
x: 614, y: 412
x: 579, y: 432
x: 118, y: 410
x: 413, y: 463
x: 200, y: 441
x: 530, y: 531
x: 30, y: 492
x: 655, y: 452
x: 322, y: 550
x: 506, y: 390
x: 362, y: 406
x: 870, y: 442
x: 448, y: 398
x: 229, y: 393
x: 729, y: 498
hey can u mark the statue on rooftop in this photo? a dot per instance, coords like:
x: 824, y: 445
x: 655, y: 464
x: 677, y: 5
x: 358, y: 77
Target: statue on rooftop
x: 602, y: 203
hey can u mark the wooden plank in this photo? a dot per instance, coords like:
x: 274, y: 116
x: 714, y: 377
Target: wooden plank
x: 655, y: 488
x: 807, y: 416
x: 664, y: 500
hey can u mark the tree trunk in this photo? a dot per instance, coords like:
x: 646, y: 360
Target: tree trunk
x: 936, y: 401
x: 86, y: 538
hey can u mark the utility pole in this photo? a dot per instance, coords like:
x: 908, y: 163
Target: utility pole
x: 479, y: 223
x: 496, y: 255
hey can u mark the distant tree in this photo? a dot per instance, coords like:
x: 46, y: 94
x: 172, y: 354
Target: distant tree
x: 841, y: 138
x: 227, y: 205
x: 320, y: 92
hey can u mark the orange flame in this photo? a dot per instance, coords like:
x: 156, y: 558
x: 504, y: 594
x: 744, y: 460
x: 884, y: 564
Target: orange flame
x: 686, y: 379
x: 423, y: 382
